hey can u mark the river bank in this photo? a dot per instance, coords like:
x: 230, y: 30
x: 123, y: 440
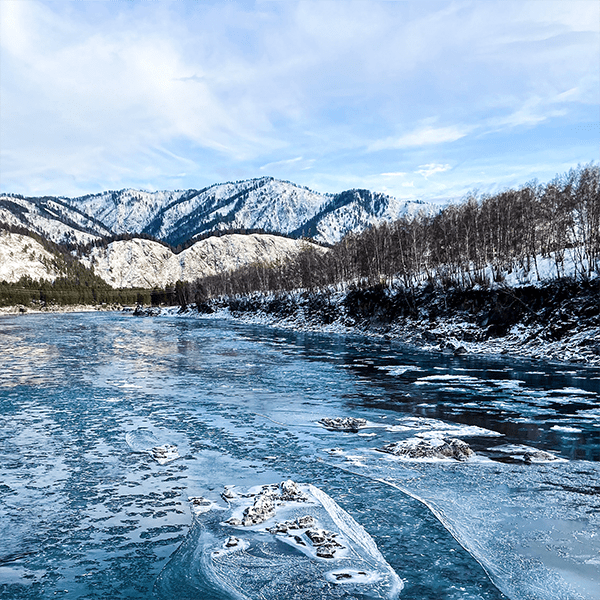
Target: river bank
x: 557, y: 321
x: 55, y: 308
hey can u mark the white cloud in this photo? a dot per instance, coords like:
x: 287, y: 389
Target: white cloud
x: 431, y: 169
x: 396, y: 174
x: 111, y: 93
x: 425, y: 136
x: 282, y: 163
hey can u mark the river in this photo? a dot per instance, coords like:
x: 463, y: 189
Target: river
x: 89, y: 510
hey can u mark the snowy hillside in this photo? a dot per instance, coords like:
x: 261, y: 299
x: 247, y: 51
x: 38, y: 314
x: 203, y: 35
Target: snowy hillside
x: 52, y: 218
x: 355, y: 210
x: 268, y: 204
x: 22, y: 256
x: 176, y: 217
x: 144, y: 263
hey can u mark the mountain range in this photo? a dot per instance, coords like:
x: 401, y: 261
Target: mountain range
x: 184, y: 218
x: 178, y: 217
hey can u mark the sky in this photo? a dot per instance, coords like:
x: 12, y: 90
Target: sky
x: 420, y: 99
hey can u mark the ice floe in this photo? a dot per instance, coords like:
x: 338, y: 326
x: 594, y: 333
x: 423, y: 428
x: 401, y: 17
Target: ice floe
x: 435, y: 428
x: 143, y: 440
x: 527, y: 454
x: 284, y: 540
x: 566, y: 429
x: 400, y: 369
x: 200, y: 505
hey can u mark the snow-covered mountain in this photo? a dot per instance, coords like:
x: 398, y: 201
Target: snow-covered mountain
x: 22, y: 256
x: 52, y: 218
x: 184, y: 217
x: 179, y: 217
x: 146, y: 264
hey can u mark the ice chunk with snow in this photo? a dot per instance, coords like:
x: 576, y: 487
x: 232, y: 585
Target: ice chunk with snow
x: 566, y: 429
x: 436, y: 428
x: 527, y: 454
x: 281, y: 541
x: 143, y: 440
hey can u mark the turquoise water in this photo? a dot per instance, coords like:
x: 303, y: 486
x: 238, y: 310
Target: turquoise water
x: 87, y: 511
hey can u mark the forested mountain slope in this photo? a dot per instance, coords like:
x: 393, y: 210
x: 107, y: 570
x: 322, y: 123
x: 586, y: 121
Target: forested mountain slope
x: 182, y: 217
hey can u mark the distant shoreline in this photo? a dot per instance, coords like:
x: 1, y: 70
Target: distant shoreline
x: 25, y: 310
x: 455, y: 333
x: 443, y: 336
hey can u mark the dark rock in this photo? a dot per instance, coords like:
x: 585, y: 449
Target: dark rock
x: 429, y: 336
x: 227, y: 494
x: 204, y: 309
x: 262, y: 510
x: 300, y: 523
x: 348, y: 424
x: 538, y: 456
x: 290, y: 492
x: 444, y: 448
x: 304, y: 522
x: 326, y: 551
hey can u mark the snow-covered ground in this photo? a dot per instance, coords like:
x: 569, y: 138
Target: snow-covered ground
x: 22, y: 256
x: 448, y: 335
x: 148, y: 264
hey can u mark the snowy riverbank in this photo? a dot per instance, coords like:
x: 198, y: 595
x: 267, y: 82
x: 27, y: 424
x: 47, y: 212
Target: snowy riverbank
x: 55, y: 308
x: 557, y: 322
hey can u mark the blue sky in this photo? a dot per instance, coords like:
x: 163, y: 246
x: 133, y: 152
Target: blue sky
x: 419, y: 99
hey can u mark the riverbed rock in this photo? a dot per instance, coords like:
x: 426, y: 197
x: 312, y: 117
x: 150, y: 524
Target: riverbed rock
x: 262, y: 510
x: 348, y: 424
x: 437, y: 448
x: 537, y: 456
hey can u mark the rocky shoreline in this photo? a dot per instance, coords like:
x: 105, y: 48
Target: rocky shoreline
x: 558, y: 321
x: 54, y: 308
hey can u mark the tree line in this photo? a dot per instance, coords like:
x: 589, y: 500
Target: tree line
x: 475, y: 242
x: 67, y: 292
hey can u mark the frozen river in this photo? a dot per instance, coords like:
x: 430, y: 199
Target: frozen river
x: 132, y: 447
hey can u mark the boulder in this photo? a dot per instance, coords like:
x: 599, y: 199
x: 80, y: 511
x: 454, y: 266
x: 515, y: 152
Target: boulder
x: 348, y: 424
x: 438, y: 448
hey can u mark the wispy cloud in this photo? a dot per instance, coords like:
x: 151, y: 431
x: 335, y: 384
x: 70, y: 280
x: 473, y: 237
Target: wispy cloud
x: 118, y: 94
x: 431, y: 169
x: 395, y: 174
x: 425, y: 136
x: 290, y: 162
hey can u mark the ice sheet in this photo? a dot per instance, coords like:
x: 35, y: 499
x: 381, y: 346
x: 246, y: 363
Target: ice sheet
x: 280, y: 541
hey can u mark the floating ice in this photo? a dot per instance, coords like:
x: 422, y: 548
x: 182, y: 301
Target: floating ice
x: 281, y: 541
x: 143, y: 440
x: 400, y: 369
x: 527, y: 454
x: 432, y: 379
x: 566, y: 429
x: 440, y: 428
x: 534, y: 528
x: 201, y: 505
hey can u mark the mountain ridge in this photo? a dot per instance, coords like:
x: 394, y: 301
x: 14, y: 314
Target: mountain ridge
x: 178, y: 217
